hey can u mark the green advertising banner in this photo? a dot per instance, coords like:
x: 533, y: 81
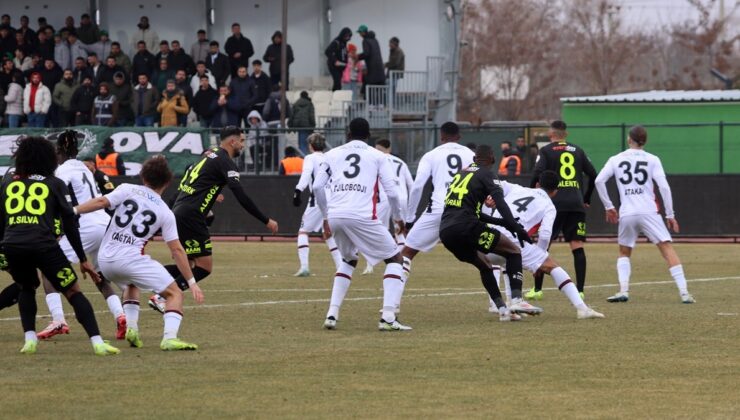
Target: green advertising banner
x: 182, y: 146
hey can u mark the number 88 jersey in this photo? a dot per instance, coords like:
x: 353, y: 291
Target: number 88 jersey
x: 139, y: 214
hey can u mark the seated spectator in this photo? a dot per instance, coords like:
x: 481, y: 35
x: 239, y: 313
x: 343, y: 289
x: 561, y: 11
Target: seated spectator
x: 76, y: 48
x: 6, y: 73
x: 202, y: 101
x: 304, y: 119
x: 145, y: 33
x: 271, y: 111
x: 61, y: 53
x: 172, y: 105
x: 102, y: 47
x: 105, y: 107
x: 144, y: 61
x: 82, y: 101
x: 28, y: 34
x: 22, y: 61
x: 51, y: 74
x: 69, y: 24
x: 292, y: 164
x: 36, y: 101
x: 88, y: 31
x: 37, y: 65
x: 242, y: 87
x: 353, y: 72
x: 14, y: 101
x: 162, y: 75
x: 81, y: 70
x: 146, y: 98
x: 62, y: 98
x: 218, y: 64
x: 179, y: 60
x: 7, y: 41
x: 110, y: 68
x: 200, y: 71
x: 200, y: 48
x: 124, y: 95
x: 262, y: 84
x: 225, y: 109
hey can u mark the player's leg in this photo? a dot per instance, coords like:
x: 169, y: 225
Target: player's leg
x: 343, y: 276
x: 627, y: 238
x: 503, y: 246
x: 58, y: 324
x: 23, y: 271
x: 172, y: 319
x: 303, y: 252
x: 334, y: 250
x: 115, y: 306
x: 564, y: 283
x: 422, y: 237
x: 575, y: 233
x: 536, y: 292
x: 132, y: 307
x: 9, y: 295
x: 657, y: 233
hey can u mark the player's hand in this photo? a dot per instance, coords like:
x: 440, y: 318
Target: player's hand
x: 197, y: 293
x: 489, y: 202
x: 87, y: 268
x: 220, y: 198
x: 407, y: 227
x: 3, y: 262
x: 297, y: 198
x: 273, y: 226
x: 326, y: 231
x: 523, y: 236
x: 612, y: 216
x: 400, y: 226
x: 587, y: 205
x: 672, y: 225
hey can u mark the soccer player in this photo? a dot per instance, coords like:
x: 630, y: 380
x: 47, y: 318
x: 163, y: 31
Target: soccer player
x: 312, y: 220
x: 105, y: 185
x: 350, y: 215
x: 467, y: 234
x: 534, y: 210
x: 33, y: 201
x: 570, y: 163
x: 198, y: 191
x: 635, y: 171
x: 139, y: 212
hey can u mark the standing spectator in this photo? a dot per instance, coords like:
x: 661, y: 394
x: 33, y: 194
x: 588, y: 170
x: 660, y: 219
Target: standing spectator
x: 262, y: 85
x: 76, y: 48
x: 353, y: 72
x: 61, y: 53
x: 218, y: 64
x: 124, y: 96
x: 146, y: 98
x: 36, y: 101
x: 14, y: 101
x: 102, y: 47
x: 69, y: 24
x: 271, y: 111
x: 273, y: 55
x: 42, y: 23
x: 88, y: 31
x: 25, y: 46
x: 105, y: 107
x: 144, y: 61
x: 82, y: 101
x: 521, y: 146
x: 304, y: 119
x: 122, y: 59
x: 2, y: 105
x: 95, y: 66
x: 257, y: 129
x: 372, y: 57
x: 179, y: 60
x: 6, y: 73
x: 108, y: 161
x: 28, y: 34
x: 181, y: 84
x: 204, y: 97
x: 164, y: 52
x: 162, y: 75
x: 21, y: 61
x: 62, y: 98
x: 37, y: 64
x: 146, y: 34
x: 110, y: 68
x: 292, y: 164
x: 200, y: 71
x: 172, y: 105
x: 5, y: 21
x: 239, y: 48
x: 225, y: 109
x: 51, y: 74
x: 45, y: 46
x: 336, y: 57
x: 396, y: 61
x: 7, y: 41
x: 511, y: 163
x: 199, y: 49
x: 243, y: 89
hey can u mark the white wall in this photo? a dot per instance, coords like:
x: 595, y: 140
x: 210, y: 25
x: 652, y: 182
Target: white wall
x: 55, y: 11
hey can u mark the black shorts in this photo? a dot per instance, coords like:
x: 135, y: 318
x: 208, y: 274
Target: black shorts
x: 50, y: 260
x: 572, y: 224
x: 193, y: 232
x: 465, y: 243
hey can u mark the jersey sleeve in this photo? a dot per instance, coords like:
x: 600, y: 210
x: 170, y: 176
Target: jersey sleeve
x: 319, y: 183
x: 406, y: 177
x: 665, y: 190
x: 305, y: 178
x: 590, y: 171
x: 385, y: 173
x: 606, y: 173
x: 118, y: 196
x: 423, y: 173
x: 545, y: 231
x: 169, y: 227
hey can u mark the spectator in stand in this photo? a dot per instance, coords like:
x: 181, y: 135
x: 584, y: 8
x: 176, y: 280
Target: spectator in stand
x: 146, y: 34
x: 353, y: 72
x: 5, y: 21
x: 76, y: 48
x: 225, y: 109
x: 122, y: 59
x: 204, y: 97
x: 262, y: 85
x: 105, y: 107
x: 218, y: 64
x: 144, y: 61
x: 200, y: 71
x: 164, y: 53
x: 36, y: 101
x: 101, y: 179
x: 61, y: 53
x: 6, y: 73
x: 372, y: 57
x: 28, y: 34
x: 172, y: 105
x: 21, y: 44
x: 42, y: 22
x: 162, y: 75
x: 511, y: 163
x: 110, y: 68
x: 336, y: 57
x: 45, y: 46
x: 7, y: 41
x: 243, y: 89
x: 396, y: 60
x: 95, y: 66
x: 303, y: 119
x: 273, y: 55
x: 530, y: 158
x: 69, y: 24
x: 292, y: 164
x: 37, y: 64
x: 102, y: 47
x: 21, y: 61
x: 200, y: 48
x: 271, y: 111
x: 88, y: 31
x: 14, y: 101
x: 179, y: 60
x: 109, y: 161
x: 257, y: 129
x: 51, y: 74
x: 82, y: 101
x: 239, y: 49
x: 146, y: 98
x: 521, y: 146
x: 2, y: 105
x: 181, y: 84
x: 81, y: 70
x: 124, y: 95
x: 62, y: 98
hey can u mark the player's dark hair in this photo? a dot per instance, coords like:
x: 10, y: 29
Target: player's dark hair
x: 229, y: 131
x: 549, y: 181
x: 155, y: 173
x: 450, y: 128
x: 34, y: 156
x: 558, y: 125
x: 384, y: 143
x: 638, y: 134
x: 359, y: 129
x: 67, y: 144
x: 484, y: 155
x: 472, y: 146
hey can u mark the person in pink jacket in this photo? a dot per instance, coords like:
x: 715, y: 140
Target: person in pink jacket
x: 36, y: 101
x: 353, y: 72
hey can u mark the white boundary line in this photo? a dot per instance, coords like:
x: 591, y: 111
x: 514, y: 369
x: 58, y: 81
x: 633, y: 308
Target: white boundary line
x: 451, y: 292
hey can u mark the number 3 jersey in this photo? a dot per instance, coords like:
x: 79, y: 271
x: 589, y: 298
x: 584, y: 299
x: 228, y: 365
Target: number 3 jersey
x: 82, y: 187
x: 139, y: 214
x: 570, y: 163
x: 635, y: 170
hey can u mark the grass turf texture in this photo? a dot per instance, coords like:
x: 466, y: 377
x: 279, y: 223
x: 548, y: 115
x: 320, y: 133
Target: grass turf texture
x: 264, y: 354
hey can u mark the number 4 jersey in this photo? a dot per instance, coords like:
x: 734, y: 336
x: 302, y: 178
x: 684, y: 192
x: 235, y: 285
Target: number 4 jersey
x: 139, y: 214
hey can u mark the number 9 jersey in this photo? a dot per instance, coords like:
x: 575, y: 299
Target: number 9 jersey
x: 570, y: 163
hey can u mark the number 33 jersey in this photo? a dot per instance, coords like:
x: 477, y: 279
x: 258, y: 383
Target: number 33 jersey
x: 139, y: 214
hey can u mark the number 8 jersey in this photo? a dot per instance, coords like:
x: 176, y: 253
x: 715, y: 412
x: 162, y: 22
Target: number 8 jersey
x: 139, y: 214
x: 570, y: 163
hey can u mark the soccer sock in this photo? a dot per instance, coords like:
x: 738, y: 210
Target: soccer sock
x: 198, y: 273
x: 514, y: 270
x: 392, y: 290
x: 30, y: 336
x: 406, y: 268
x: 173, y: 270
x: 565, y: 285
x: 342, y: 280
x: 172, y: 320
x: 303, y: 250
x: 496, y: 270
x: 624, y: 269
x: 579, y: 262
x: 9, y: 295
x: 54, y: 302
x: 114, y: 305
x: 131, y: 309
x: 27, y: 308
x: 400, y: 241
x: 84, y: 314
x: 489, y: 282
x: 507, y: 284
x: 539, y: 278
x: 335, y: 254
x: 679, y: 278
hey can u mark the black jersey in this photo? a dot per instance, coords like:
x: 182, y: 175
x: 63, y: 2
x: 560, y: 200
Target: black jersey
x: 32, y: 210
x: 570, y: 163
x: 105, y: 185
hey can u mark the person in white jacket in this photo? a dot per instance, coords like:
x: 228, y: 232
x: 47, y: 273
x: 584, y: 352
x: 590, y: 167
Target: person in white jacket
x: 36, y: 101
x: 14, y: 102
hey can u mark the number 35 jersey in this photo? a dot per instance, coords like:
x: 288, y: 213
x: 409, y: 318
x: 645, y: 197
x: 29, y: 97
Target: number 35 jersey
x: 139, y: 214
x: 570, y: 163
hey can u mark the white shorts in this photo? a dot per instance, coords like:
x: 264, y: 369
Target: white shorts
x: 424, y: 235
x: 651, y: 225
x: 383, y: 211
x: 142, y: 271
x: 369, y: 237
x: 532, y: 256
x: 312, y: 220
x: 92, y: 237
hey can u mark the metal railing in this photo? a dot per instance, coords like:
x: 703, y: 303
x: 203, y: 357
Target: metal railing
x: 409, y: 93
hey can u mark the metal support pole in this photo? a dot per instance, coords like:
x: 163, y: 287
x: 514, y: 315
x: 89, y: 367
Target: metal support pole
x: 721, y: 147
x: 624, y: 136
x: 283, y: 64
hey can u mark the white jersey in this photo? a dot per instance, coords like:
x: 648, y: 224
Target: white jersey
x: 82, y: 187
x: 311, y: 166
x: 139, y: 214
x: 401, y: 177
x: 634, y: 171
x: 353, y: 172
x: 533, y: 208
x: 441, y: 165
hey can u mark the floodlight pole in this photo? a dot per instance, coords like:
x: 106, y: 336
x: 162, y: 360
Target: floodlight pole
x: 284, y: 64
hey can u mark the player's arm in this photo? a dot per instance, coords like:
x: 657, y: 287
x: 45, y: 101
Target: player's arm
x: 318, y: 188
x: 423, y: 173
x: 544, y: 235
x: 590, y: 171
x: 665, y: 191
x: 247, y: 204
x: 92, y: 205
x: 408, y: 180
x: 391, y: 191
x: 303, y: 181
x: 497, y: 193
x: 169, y: 234
x: 539, y: 167
x: 606, y: 173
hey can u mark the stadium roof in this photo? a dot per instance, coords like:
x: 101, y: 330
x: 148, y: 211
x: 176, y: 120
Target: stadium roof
x: 661, y: 96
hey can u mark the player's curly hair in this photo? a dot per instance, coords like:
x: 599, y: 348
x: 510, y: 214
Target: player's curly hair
x: 156, y: 172
x: 67, y: 144
x: 34, y: 156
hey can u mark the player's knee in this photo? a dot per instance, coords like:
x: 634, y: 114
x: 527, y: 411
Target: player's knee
x: 398, y: 259
x: 352, y: 263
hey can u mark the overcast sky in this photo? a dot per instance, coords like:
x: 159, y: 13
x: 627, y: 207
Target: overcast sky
x: 658, y: 13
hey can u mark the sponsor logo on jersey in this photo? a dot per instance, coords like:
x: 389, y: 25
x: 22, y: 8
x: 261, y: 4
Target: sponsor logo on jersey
x: 192, y: 246
x: 209, y: 197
